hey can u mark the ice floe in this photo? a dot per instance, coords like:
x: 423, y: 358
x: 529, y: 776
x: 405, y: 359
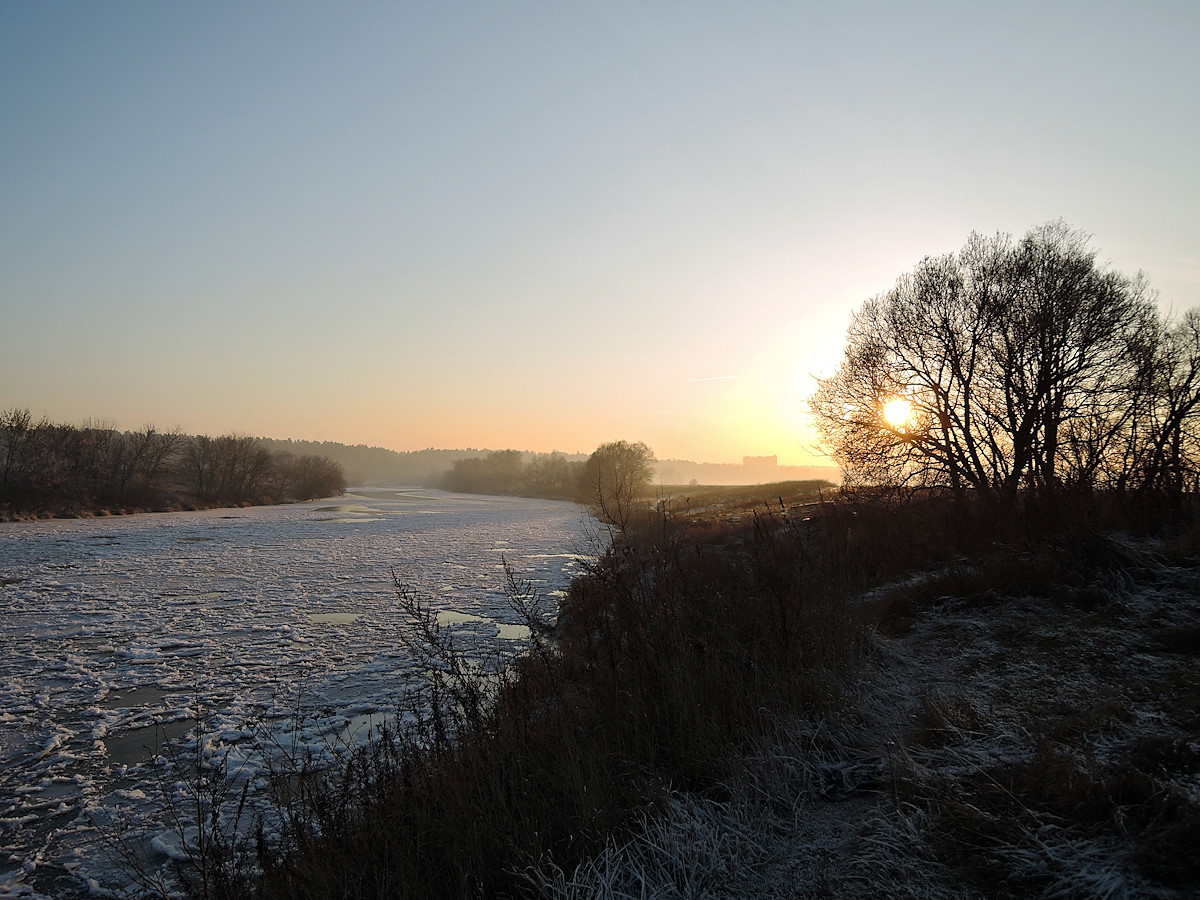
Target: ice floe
x: 268, y: 624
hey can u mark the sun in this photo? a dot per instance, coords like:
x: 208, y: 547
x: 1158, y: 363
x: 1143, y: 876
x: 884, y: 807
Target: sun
x: 898, y: 412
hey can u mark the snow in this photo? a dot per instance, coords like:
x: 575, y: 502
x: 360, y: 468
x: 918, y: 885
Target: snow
x: 276, y: 621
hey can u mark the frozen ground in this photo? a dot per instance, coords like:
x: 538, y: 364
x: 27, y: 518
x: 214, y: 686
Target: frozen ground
x: 267, y: 621
x: 1018, y: 729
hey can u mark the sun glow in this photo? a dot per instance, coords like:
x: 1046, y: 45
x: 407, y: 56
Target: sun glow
x: 898, y: 413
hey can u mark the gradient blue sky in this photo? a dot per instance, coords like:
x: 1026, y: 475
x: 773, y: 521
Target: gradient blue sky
x: 545, y: 225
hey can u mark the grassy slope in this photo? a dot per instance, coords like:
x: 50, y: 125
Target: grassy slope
x: 1025, y: 723
x: 735, y: 706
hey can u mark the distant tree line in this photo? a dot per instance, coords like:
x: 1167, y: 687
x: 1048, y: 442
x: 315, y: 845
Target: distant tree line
x: 378, y: 465
x: 366, y: 465
x: 1017, y: 367
x: 48, y: 468
x: 509, y: 472
x: 615, y: 476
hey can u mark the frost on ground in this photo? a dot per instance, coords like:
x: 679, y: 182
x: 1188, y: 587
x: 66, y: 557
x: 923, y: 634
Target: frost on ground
x: 1026, y: 726
x: 224, y: 632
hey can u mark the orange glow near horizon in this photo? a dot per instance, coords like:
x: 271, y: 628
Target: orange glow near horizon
x: 428, y: 242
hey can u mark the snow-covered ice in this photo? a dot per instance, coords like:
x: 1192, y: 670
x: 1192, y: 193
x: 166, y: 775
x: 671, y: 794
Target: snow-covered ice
x: 116, y: 633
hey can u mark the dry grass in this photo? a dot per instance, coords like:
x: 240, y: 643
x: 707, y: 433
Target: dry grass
x: 724, y: 502
x: 1045, y: 751
x: 877, y: 694
x: 1025, y: 727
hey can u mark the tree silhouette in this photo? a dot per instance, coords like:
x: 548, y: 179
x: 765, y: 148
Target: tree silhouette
x: 1027, y: 364
x: 614, y: 477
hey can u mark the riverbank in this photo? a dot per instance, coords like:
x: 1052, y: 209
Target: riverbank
x: 1022, y: 723
x: 75, y: 510
x: 106, y: 511
x: 793, y: 699
x: 50, y: 470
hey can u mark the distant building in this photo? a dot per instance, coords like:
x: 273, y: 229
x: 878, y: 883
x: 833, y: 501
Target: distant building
x: 761, y: 468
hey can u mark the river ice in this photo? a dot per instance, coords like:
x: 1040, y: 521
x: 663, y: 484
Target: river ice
x: 116, y: 633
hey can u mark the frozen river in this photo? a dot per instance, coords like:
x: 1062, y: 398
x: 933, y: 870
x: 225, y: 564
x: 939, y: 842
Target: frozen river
x: 117, y: 631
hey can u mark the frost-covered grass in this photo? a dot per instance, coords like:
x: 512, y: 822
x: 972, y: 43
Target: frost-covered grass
x: 1026, y: 724
x: 1056, y: 752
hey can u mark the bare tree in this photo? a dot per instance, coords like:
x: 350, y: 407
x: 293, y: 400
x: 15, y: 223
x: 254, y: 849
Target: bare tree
x: 16, y: 435
x: 615, y: 476
x: 552, y: 475
x: 90, y: 452
x: 1017, y: 364
x: 308, y: 477
x: 1160, y: 443
x: 161, y: 447
x: 138, y: 459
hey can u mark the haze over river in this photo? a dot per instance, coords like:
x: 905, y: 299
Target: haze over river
x: 275, y: 622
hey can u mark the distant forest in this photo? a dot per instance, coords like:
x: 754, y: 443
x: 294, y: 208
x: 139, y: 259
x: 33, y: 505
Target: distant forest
x: 552, y: 475
x: 365, y: 465
x: 429, y: 468
x: 54, y: 469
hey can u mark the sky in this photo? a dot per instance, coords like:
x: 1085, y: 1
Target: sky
x: 545, y: 225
